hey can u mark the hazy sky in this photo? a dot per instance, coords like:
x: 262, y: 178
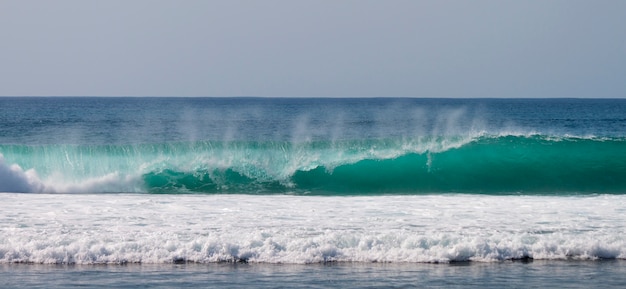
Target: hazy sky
x: 543, y: 48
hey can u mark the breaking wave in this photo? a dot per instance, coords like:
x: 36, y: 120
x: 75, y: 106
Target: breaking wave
x: 490, y: 164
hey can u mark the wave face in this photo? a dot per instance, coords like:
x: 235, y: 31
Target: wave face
x: 487, y: 164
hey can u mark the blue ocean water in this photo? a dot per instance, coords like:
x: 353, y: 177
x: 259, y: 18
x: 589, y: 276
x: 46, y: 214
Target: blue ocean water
x: 314, y: 146
x: 515, y: 190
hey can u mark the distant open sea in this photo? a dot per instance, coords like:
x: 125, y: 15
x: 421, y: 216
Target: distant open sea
x: 312, y: 192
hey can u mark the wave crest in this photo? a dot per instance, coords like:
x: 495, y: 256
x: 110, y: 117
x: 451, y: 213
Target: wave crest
x: 482, y: 164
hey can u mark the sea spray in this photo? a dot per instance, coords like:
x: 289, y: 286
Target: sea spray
x: 491, y: 164
x: 14, y: 179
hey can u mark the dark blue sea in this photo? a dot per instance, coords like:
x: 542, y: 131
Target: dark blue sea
x: 312, y: 192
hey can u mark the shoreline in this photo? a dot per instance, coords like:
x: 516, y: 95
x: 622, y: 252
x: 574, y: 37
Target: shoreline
x: 344, y: 275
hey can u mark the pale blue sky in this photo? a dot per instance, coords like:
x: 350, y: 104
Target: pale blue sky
x: 342, y: 48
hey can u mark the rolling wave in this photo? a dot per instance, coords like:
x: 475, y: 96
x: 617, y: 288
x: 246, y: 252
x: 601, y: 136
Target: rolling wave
x: 484, y: 164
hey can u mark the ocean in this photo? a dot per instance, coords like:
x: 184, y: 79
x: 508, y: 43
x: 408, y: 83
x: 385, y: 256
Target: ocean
x: 312, y: 192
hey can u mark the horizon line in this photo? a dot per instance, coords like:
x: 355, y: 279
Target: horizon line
x: 305, y: 97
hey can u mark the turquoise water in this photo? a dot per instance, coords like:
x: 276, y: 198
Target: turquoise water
x: 314, y: 146
x: 533, y: 164
x: 279, y: 192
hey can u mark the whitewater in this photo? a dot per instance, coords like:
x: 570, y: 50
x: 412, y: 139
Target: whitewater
x: 171, y: 181
x: 156, y: 229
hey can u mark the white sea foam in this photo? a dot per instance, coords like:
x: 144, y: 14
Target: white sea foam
x: 14, y: 179
x: 88, y: 229
x: 112, y: 182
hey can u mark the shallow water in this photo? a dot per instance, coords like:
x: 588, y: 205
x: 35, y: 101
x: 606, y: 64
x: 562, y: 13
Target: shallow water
x: 535, y: 274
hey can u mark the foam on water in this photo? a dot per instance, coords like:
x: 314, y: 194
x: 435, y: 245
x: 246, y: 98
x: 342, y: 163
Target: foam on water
x: 114, y: 229
x: 14, y: 179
